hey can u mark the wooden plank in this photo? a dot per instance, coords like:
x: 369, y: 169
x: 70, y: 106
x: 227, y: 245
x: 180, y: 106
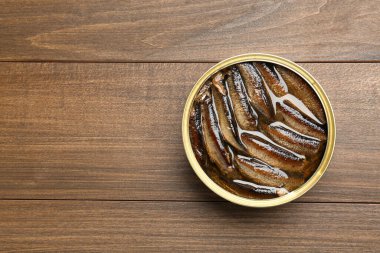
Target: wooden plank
x: 97, y: 226
x: 113, y: 131
x: 93, y: 30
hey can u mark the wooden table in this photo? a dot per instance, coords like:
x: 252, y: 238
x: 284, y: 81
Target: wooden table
x: 91, y: 100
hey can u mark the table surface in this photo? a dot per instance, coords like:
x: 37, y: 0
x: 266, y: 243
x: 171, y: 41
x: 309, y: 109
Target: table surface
x: 91, y: 100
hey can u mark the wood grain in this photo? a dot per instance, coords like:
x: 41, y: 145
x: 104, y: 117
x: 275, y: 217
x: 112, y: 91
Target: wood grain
x: 91, y: 157
x: 93, y: 30
x: 93, y: 226
x: 113, y: 131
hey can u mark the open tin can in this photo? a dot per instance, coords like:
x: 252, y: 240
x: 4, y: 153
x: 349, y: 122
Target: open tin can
x: 330, y: 122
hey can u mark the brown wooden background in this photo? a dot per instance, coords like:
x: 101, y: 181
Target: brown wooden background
x: 91, y: 100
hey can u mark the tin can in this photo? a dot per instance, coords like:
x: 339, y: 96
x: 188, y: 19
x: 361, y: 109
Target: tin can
x: 330, y: 120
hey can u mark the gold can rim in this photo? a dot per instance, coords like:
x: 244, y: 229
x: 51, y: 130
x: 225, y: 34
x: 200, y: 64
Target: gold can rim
x: 331, y: 131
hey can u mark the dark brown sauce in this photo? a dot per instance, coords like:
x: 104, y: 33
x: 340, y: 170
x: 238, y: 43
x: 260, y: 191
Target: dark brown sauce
x: 258, y: 130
